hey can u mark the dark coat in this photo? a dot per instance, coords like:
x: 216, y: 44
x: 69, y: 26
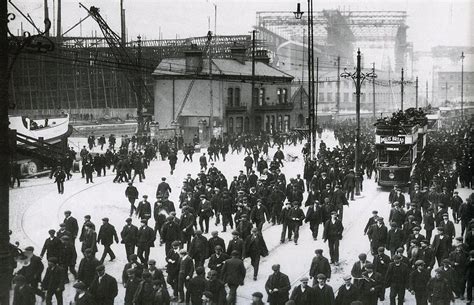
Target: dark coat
x: 418, y: 281
x: 143, y: 210
x: 33, y: 271
x: 235, y: 244
x: 104, y: 292
x: 52, y: 247
x: 86, y: 299
x: 24, y: 295
x: 215, y: 241
x: 281, y: 282
x: 333, y: 231
x: 255, y: 246
x: 130, y: 290
x: 170, y: 232
x: 129, y: 234
x: 302, y: 298
x: 53, y: 279
x: 107, y: 234
x: 217, y: 288
x: 320, y: 265
x: 374, y: 281
x: 199, y: 248
x: 296, y: 216
x: 233, y: 271
x: 146, y: 237
x: 89, y: 241
x: 196, y: 287
x: 324, y: 295
x: 442, y: 247
x: 394, y: 239
x: 71, y: 226
x: 186, y: 267
x: 314, y: 216
x: 397, y: 275
x: 87, y: 271
x: 216, y: 263
x: 347, y: 296
x: 378, y: 235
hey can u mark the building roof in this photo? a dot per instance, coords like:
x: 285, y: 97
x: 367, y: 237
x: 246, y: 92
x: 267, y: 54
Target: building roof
x: 220, y: 67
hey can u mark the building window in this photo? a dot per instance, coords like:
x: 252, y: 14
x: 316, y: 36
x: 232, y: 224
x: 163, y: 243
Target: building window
x: 286, y: 123
x: 239, y: 124
x: 321, y: 97
x: 261, y: 96
x: 267, y: 124
x: 230, y: 97
x: 279, y: 123
x: 272, y: 124
x: 279, y: 96
x: 329, y: 95
x: 285, y: 95
x: 236, y: 97
x: 346, y: 97
x: 231, y: 125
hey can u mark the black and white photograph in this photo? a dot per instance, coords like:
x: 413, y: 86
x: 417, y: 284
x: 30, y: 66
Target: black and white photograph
x: 236, y: 152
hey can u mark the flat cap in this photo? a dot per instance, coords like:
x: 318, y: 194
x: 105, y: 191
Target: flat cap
x: 257, y: 294
x: 80, y: 285
x: 321, y: 276
x: 100, y: 268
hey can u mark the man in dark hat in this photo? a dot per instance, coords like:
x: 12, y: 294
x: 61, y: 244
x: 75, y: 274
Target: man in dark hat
x: 82, y: 296
x: 217, y: 259
x: 257, y: 298
x: 333, y: 234
x: 52, y: 245
x: 396, y: 279
x: 53, y: 282
x: 131, y: 193
x: 323, y: 293
x: 448, y: 226
x: 359, y: 268
x: 71, y: 224
x: 170, y: 232
x: 255, y: 247
x: 87, y: 267
x: 418, y: 281
x: 132, y: 264
x: 68, y: 257
x: 186, y: 270
x: 259, y: 214
x: 197, y: 286
x: 371, y: 285
x: 233, y: 274
x: 104, y: 287
x: 394, y: 238
x: 319, y: 264
x: 198, y: 248
x: 235, y: 244
x: 129, y: 236
x: 216, y: 287
x: 32, y: 271
x: 172, y: 267
x: 296, y: 217
x: 302, y: 294
x: 106, y: 236
x: 441, y: 245
x: 372, y: 220
x: 145, y: 240
x: 277, y: 287
x: 377, y: 234
x: 459, y: 258
x: 144, y: 208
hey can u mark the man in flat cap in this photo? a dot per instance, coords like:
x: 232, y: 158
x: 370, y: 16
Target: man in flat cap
x: 257, y: 298
x: 145, y: 240
x: 129, y: 236
x: 277, y: 287
x: 23, y: 294
x: 333, y: 234
x: 216, y: 287
x: 371, y: 285
x: 323, y: 293
x: 235, y: 244
x: 87, y: 267
x: 347, y: 292
x: 71, y: 224
x: 396, y: 279
x: 233, y: 274
x: 82, y: 296
x: 106, y: 236
x: 441, y: 245
x: 303, y: 294
x: 104, y: 287
x: 52, y: 245
x: 418, y: 281
x: 32, y: 271
x: 53, y: 282
x: 377, y: 234
x: 439, y: 291
x: 319, y: 264
x: 255, y: 247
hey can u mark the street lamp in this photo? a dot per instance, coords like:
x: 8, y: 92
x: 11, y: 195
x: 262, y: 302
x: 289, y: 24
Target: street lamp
x: 358, y: 77
x: 446, y: 87
x: 312, y: 118
x: 462, y: 86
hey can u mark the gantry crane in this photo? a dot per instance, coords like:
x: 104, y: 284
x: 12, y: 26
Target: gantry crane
x: 133, y: 72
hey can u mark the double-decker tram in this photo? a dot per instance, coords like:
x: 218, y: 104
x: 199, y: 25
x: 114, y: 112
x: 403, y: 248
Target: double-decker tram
x: 400, y: 142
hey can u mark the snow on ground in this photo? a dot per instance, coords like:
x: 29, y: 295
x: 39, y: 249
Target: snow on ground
x: 36, y: 207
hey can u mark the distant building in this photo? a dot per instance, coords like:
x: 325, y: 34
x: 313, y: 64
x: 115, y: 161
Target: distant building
x: 183, y: 96
x: 449, y: 87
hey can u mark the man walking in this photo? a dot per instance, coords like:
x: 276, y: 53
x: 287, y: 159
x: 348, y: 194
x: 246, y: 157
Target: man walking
x: 255, y: 247
x: 333, y: 234
x: 107, y: 235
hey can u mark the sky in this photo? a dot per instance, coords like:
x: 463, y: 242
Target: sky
x: 431, y: 23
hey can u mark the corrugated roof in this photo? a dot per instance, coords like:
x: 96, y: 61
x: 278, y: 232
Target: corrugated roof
x: 230, y: 67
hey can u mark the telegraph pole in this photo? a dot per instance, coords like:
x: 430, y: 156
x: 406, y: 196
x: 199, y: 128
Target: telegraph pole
x: 122, y: 24
x: 426, y: 94
x: 416, y: 93
x: 211, y: 112
x: 338, y: 97
x: 315, y: 105
x: 373, y: 91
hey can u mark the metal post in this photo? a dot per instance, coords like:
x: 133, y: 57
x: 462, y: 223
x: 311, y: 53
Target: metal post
x: 416, y: 93
x: 211, y: 112
x: 446, y: 99
x: 253, y: 95
x: 5, y: 260
x: 338, y: 97
x: 462, y: 86
x: 140, y: 127
x: 46, y: 16
x: 373, y: 92
x: 357, y: 151
x: 58, y: 35
x: 426, y: 94
x: 122, y: 23
x: 401, y: 93
x: 315, y: 105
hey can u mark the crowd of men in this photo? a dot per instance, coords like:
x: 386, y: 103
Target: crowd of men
x: 202, y: 269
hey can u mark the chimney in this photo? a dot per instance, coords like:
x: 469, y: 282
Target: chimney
x: 238, y: 53
x: 262, y: 56
x: 193, y: 60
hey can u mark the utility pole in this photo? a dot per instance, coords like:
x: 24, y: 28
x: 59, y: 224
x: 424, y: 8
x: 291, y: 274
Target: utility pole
x: 58, y: 35
x: 446, y: 97
x: 253, y: 94
x: 46, y: 16
x: 357, y: 151
x: 416, y: 93
x: 6, y: 269
x: 338, y: 97
x: 462, y: 86
x: 139, y: 93
x: 315, y: 104
x: 401, y: 93
x: 211, y: 112
x: 373, y: 92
